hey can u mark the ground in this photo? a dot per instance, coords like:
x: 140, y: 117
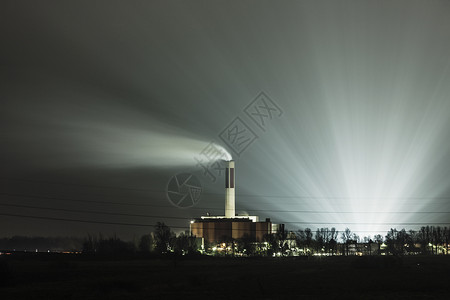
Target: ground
x: 79, y: 277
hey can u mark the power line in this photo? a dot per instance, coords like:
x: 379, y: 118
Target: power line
x: 183, y: 218
x: 220, y: 208
x: 239, y: 195
x: 79, y: 185
x: 92, y: 212
x: 100, y: 222
x: 81, y: 200
x: 150, y: 225
x: 73, y: 220
x: 296, y: 222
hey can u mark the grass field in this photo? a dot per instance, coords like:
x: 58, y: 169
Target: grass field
x: 77, y: 277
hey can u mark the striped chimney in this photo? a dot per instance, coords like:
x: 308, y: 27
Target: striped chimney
x: 230, y: 209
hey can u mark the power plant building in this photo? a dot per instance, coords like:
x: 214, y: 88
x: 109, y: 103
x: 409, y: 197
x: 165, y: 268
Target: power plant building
x: 231, y: 226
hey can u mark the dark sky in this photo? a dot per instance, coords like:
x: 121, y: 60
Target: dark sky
x: 102, y: 102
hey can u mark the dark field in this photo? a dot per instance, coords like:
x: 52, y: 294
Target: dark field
x: 77, y: 277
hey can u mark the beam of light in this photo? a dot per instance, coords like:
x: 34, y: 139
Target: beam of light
x: 382, y: 163
x: 369, y: 135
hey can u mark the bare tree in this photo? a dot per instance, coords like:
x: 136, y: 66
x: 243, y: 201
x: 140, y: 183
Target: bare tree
x: 423, y: 239
x: 301, y: 239
x: 356, y: 240
x: 396, y: 241
x: 333, y: 240
x: 379, y: 240
x: 446, y: 233
x: 319, y: 237
x: 346, y: 238
x: 412, y: 241
x: 308, y: 237
x: 438, y: 238
x: 391, y: 238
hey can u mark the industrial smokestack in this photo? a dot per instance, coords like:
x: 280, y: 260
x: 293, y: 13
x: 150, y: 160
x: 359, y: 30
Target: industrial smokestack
x: 230, y: 210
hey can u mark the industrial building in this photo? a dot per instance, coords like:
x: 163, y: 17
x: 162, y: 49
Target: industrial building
x: 230, y: 226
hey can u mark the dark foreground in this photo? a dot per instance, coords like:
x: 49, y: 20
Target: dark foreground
x: 77, y: 277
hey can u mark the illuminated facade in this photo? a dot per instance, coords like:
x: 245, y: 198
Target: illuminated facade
x: 222, y: 229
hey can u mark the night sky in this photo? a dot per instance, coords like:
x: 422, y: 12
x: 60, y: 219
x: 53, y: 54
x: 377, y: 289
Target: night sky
x: 102, y: 102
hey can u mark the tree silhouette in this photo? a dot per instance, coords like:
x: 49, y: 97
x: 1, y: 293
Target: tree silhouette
x: 446, y: 233
x: 163, y: 237
x: 391, y: 238
x: 301, y: 239
x: 184, y: 243
x: 304, y: 239
x: 320, y: 239
x: 346, y: 238
x: 430, y: 239
x: 396, y: 240
x: 146, y: 243
x: 308, y: 237
x: 332, y: 240
x: 379, y: 240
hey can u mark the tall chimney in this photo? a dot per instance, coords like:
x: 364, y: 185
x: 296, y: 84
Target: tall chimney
x: 230, y: 210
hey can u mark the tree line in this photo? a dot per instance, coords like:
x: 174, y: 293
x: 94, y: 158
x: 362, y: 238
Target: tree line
x: 428, y: 240
x: 161, y: 241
